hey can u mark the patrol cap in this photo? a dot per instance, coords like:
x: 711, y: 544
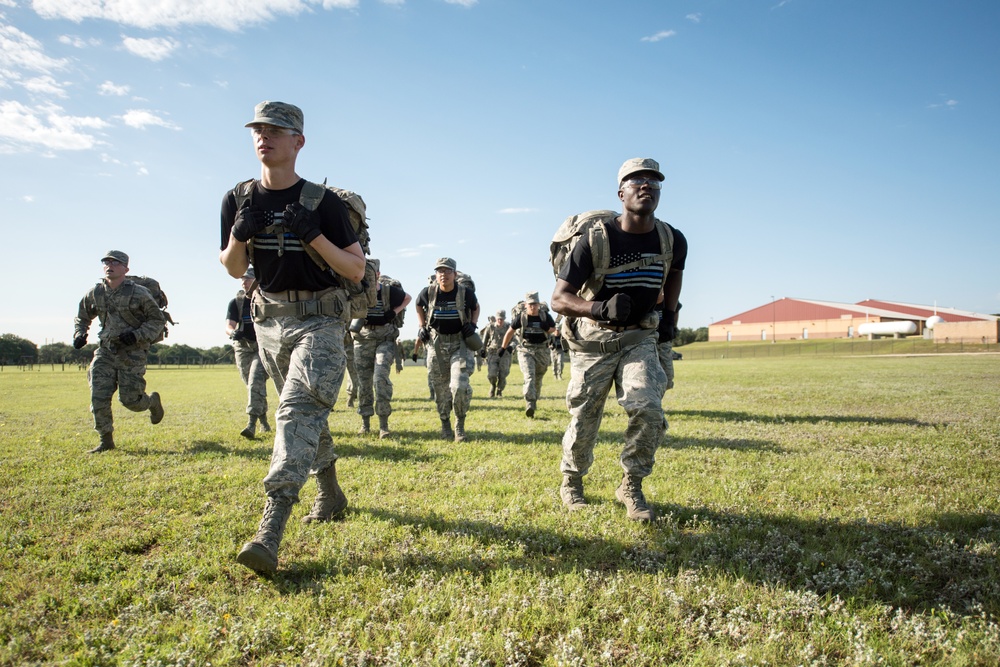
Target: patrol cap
x: 639, y: 164
x: 446, y: 263
x: 502, y: 314
x: 279, y: 114
x: 116, y: 255
x: 531, y: 297
x: 250, y: 274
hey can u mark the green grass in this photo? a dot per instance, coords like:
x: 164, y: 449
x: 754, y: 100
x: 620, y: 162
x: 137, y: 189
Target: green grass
x: 815, y: 510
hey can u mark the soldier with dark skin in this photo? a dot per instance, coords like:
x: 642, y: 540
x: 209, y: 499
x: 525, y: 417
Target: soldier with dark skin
x: 612, y: 337
x: 130, y: 322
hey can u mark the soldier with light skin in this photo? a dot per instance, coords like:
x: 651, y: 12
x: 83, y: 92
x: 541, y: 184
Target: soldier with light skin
x: 532, y: 354
x: 300, y: 313
x: 497, y: 359
x: 130, y: 322
x: 240, y: 329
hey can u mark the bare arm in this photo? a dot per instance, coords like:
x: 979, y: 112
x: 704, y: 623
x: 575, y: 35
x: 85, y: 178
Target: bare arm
x: 566, y: 302
x: 507, y: 337
x: 406, y: 301
x: 235, y: 257
x: 672, y: 289
x: 348, y: 262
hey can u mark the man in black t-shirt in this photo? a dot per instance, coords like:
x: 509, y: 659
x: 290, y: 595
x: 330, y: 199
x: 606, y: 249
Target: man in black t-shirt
x: 374, y: 353
x: 534, y: 327
x: 304, y: 259
x: 239, y: 328
x: 611, y: 335
x: 447, y: 313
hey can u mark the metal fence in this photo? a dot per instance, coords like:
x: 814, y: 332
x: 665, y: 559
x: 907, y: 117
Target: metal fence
x: 837, y: 347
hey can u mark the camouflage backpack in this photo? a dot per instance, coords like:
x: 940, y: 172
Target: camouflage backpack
x: 362, y: 295
x: 463, y: 282
x: 593, y: 224
x: 152, y: 286
x: 386, y: 283
x: 520, y: 311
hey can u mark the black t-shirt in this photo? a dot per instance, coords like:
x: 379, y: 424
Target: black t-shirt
x: 641, y: 284
x: 535, y: 328
x: 244, y: 322
x: 294, y: 269
x: 445, y: 317
x: 379, y: 314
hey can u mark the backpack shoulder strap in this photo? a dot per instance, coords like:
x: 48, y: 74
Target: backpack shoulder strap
x: 460, y: 304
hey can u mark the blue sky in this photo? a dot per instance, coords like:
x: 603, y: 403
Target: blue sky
x: 813, y: 149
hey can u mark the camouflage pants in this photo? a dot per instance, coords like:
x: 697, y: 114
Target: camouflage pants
x: 374, y: 352
x: 534, y: 361
x: 497, y: 369
x: 557, y: 362
x: 352, y: 373
x: 254, y: 376
x: 448, y: 369
x: 666, y: 352
x: 639, y: 383
x: 123, y: 371
x: 305, y: 358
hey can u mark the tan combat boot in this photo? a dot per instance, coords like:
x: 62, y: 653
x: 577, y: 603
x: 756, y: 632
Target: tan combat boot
x: 264, y: 426
x: 330, y: 503
x: 251, y: 430
x: 460, y: 429
x: 446, y: 432
x: 629, y: 493
x: 107, y: 444
x: 366, y: 426
x: 571, y: 492
x: 383, y: 427
x: 155, y: 408
x: 260, y: 554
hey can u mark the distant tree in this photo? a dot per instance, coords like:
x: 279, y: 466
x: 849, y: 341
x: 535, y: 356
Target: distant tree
x: 220, y: 354
x: 407, y: 347
x: 56, y: 353
x: 14, y: 350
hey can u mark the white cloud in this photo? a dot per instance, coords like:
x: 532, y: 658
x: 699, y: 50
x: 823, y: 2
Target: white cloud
x: 225, y: 14
x: 517, y: 210
x: 24, y: 128
x: 19, y: 50
x: 463, y: 3
x: 140, y: 119
x: 28, y: 199
x: 694, y: 18
x: 154, y: 48
x: 108, y: 88
x: 663, y: 34
x: 79, y: 42
x: 44, y: 85
x: 947, y: 104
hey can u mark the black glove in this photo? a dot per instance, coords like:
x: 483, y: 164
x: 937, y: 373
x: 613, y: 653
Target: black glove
x: 424, y: 334
x: 615, y: 309
x: 79, y: 342
x: 468, y: 329
x: 236, y: 335
x: 667, y: 329
x: 250, y: 221
x: 128, y: 338
x: 482, y: 353
x: 414, y: 357
x: 301, y: 222
x: 502, y: 352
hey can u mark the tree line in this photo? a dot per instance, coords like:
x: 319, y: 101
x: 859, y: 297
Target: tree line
x: 17, y: 351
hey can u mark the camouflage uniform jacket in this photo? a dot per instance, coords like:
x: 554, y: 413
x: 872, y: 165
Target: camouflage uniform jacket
x: 494, y: 337
x: 131, y: 307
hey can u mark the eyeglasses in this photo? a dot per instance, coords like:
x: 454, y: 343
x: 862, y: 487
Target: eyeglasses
x: 270, y: 130
x: 111, y: 262
x: 637, y: 183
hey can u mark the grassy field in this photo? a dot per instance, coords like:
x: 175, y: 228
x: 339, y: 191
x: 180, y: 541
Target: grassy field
x: 814, y: 510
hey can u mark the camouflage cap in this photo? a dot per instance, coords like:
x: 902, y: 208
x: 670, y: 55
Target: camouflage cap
x: 279, y: 114
x: 249, y: 274
x: 446, y: 263
x: 116, y: 255
x: 639, y: 164
x: 531, y: 297
x: 502, y: 314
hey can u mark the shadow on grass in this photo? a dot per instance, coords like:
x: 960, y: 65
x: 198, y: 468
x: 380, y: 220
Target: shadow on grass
x: 947, y: 563
x: 736, y: 416
x: 256, y: 449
